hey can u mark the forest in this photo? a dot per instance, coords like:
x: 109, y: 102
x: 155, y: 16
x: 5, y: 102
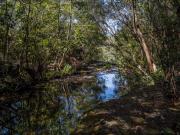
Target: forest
x: 89, y: 67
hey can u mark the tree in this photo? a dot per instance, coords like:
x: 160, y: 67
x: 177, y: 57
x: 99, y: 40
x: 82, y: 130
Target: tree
x: 139, y: 34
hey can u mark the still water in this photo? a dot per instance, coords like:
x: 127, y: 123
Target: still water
x: 54, y: 108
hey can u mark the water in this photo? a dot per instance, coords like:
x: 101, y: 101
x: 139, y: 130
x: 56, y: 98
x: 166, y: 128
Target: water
x: 109, y: 83
x: 55, y: 107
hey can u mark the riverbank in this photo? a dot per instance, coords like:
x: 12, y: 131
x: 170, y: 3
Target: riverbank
x: 15, y: 88
x: 142, y: 111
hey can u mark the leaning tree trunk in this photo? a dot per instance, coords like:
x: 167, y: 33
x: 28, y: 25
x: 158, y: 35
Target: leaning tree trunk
x: 151, y: 64
x: 138, y: 33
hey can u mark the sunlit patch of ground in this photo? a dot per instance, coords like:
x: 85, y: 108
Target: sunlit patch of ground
x: 143, y: 111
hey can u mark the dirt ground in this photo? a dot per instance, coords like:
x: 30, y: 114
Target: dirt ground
x: 143, y: 111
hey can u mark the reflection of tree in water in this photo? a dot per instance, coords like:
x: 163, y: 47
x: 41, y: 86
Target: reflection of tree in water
x: 35, y: 113
x: 52, y: 108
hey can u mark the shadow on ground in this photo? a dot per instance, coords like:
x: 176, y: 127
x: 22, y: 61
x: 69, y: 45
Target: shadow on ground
x: 143, y: 111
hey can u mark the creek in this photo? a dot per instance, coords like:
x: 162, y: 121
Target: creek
x: 55, y: 107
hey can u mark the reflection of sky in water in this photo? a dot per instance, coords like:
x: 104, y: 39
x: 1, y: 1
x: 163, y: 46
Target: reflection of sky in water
x: 69, y: 106
x: 109, y: 83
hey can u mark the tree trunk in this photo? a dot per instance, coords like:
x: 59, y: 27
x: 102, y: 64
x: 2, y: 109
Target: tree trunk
x: 26, y: 37
x: 5, y: 49
x: 70, y: 22
x: 5, y: 54
x: 138, y: 33
x: 6, y: 37
x: 151, y: 64
x: 59, y: 15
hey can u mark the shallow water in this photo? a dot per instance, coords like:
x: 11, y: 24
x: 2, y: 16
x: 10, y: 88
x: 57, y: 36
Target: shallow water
x: 55, y: 107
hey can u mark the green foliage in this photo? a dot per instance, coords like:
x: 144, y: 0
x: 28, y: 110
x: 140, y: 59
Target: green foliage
x: 168, y: 131
x: 45, y: 35
x: 158, y: 22
x: 39, y: 34
x: 68, y: 69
